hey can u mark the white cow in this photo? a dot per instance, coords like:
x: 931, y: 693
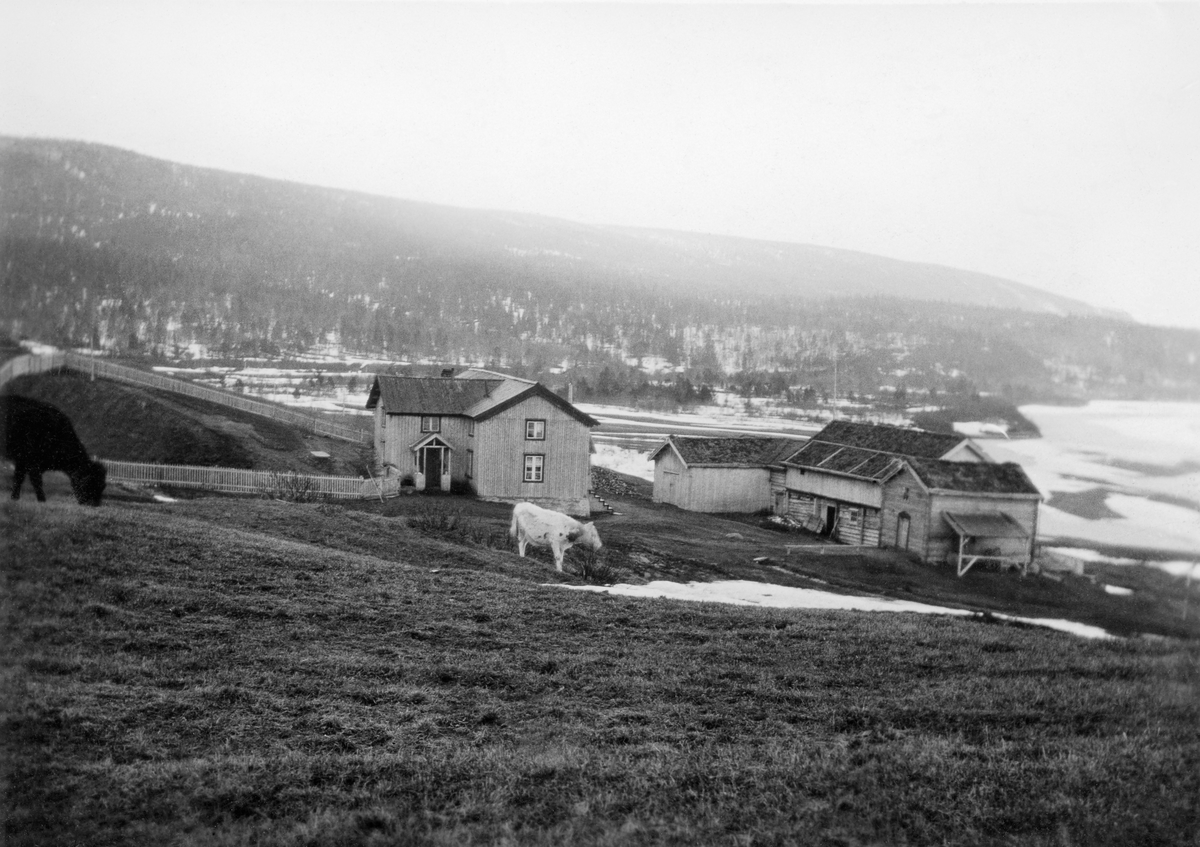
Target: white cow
x: 544, y: 528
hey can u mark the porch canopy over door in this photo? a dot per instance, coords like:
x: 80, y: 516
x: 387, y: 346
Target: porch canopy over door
x: 984, y: 526
x: 433, y: 454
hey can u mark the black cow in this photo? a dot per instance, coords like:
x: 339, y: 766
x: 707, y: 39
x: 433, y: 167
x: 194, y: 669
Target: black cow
x: 37, y: 437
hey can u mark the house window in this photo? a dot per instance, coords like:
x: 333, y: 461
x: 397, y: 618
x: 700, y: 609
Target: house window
x: 535, y: 430
x: 534, y: 467
x: 471, y: 427
x: 470, y: 463
x: 431, y: 423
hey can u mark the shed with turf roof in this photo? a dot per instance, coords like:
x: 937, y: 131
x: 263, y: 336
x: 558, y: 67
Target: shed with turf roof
x: 961, y: 513
x: 743, y: 474
x: 835, y: 481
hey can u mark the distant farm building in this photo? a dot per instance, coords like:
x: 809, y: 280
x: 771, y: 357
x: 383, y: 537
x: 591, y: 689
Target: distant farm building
x: 835, y: 481
x: 961, y: 512
x: 938, y: 496
x: 736, y: 474
x: 504, y: 438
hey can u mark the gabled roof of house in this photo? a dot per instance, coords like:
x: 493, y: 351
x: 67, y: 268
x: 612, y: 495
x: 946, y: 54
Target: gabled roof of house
x: 973, y: 477
x: 470, y: 394
x: 742, y: 451
x: 416, y: 395
x: 884, y: 438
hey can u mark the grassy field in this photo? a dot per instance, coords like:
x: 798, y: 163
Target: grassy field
x: 228, y: 671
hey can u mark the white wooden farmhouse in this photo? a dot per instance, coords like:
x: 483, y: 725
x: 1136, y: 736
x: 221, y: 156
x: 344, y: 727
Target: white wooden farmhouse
x: 502, y: 437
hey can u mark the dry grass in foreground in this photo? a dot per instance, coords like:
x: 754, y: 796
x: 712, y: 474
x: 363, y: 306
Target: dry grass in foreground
x: 170, y: 679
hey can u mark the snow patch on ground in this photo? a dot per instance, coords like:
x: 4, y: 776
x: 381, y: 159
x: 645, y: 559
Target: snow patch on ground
x: 622, y: 460
x: 978, y: 429
x: 746, y: 593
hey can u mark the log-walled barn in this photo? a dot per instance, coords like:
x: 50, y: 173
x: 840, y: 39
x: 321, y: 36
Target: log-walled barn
x: 505, y: 438
x: 835, y: 481
x: 737, y: 474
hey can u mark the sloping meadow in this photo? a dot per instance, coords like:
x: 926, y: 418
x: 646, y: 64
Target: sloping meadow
x: 172, y: 679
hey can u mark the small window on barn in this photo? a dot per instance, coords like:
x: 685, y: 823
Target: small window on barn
x: 535, y: 467
x: 470, y: 463
x: 431, y: 423
x: 471, y: 427
x: 907, y: 491
x: 535, y: 430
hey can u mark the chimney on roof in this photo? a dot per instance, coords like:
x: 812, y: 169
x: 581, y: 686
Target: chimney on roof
x: 447, y: 371
x: 571, y: 393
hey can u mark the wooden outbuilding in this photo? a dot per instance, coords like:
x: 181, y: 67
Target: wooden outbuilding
x: 835, y: 480
x: 505, y: 438
x: 961, y: 513
x: 937, y: 496
x: 743, y: 474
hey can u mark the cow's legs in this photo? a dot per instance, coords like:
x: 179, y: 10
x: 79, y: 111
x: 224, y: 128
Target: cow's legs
x: 521, y: 542
x: 558, y: 556
x: 35, y: 478
x: 18, y: 481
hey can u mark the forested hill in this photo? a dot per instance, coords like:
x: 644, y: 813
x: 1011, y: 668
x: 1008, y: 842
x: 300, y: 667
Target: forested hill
x: 135, y: 253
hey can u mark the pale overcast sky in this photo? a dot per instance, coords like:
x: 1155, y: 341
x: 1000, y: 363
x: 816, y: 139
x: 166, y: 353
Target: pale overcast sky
x: 1054, y: 144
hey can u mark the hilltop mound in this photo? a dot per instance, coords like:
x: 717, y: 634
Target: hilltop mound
x: 123, y: 422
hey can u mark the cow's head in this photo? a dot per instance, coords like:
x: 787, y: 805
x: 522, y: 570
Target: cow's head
x: 586, y: 534
x: 89, y: 484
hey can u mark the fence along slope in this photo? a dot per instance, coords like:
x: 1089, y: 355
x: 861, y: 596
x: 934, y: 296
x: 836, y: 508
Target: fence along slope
x: 240, y: 481
x: 41, y: 363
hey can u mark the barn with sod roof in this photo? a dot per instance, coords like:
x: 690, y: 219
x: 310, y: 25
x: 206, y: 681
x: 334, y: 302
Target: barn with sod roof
x: 743, y: 474
x: 835, y: 480
x: 960, y: 512
x: 502, y: 437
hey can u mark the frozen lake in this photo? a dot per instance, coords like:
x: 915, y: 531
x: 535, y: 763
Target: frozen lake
x: 1115, y: 473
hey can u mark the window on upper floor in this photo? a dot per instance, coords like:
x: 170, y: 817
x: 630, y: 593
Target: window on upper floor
x: 535, y: 429
x: 431, y: 423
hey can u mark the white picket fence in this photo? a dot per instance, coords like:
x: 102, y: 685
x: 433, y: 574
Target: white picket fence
x: 281, y: 484
x: 119, y: 373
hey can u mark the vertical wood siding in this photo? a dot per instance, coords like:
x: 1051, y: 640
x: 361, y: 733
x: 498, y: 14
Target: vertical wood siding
x: 668, y: 478
x: 943, y: 541
x: 401, y: 432
x: 833, y: 487
x: 741, y: 490
x: 916, y: 505
x: 930, y: 536
x: 500, y: 446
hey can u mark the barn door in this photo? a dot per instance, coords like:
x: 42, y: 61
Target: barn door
x: 902, y: 531
x: 830, y: 520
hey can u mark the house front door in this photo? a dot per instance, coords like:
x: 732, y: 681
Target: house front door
x: 433, y: 467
